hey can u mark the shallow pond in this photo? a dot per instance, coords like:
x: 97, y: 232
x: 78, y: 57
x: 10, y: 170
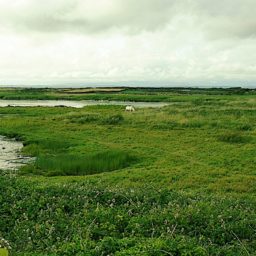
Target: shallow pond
x: 77, y: 104
x: 10, y: 157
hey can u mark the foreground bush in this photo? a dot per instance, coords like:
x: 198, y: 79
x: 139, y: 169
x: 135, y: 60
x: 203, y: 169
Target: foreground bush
x: 92, y: 219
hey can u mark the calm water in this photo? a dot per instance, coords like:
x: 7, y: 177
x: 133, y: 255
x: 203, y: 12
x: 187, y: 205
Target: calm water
x: 10, y: 157
x: 77, y: 104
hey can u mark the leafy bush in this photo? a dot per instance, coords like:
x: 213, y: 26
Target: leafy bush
x: 89, y: 218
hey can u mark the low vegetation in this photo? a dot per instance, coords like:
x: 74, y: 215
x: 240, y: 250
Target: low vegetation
x: 179, y: 180
x: 90, y: 218
x: 196, y: 95
x: 66, y: 164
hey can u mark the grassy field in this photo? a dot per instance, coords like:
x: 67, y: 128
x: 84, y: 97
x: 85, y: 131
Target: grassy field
x: 179, y: 180
x: 125, y: 93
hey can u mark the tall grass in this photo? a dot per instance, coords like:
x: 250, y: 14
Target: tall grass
x: 83, y: 165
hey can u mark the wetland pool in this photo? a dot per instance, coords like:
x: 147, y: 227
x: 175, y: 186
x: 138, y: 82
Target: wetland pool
x: 77, y: 104
x: 10, y: 154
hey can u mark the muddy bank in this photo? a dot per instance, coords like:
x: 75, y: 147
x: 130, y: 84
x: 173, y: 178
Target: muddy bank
x: 10, y: 156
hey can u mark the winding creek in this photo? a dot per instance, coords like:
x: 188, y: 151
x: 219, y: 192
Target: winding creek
x: 77, y: 104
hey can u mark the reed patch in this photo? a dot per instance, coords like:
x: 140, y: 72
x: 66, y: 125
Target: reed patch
x: 68, y: 164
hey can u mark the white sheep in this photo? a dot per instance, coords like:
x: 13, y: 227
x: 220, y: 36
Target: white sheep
x: 129, y: 108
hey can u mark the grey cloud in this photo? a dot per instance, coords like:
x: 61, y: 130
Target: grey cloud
x: 104, y: 40
x: 131, y: 16
x: 223, y: 28
x: 227, y: 18
x: 217, y: 19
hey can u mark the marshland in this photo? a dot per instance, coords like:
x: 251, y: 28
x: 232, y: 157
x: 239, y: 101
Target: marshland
x: 172, y: 180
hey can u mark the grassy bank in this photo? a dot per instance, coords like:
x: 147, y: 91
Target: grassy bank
x: 179, y: 180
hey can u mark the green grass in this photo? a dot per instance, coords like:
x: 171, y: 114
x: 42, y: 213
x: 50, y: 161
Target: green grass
x: 196, y: 95
x: 93, y: 118
x: 178, y: 180
x: 80, y: 165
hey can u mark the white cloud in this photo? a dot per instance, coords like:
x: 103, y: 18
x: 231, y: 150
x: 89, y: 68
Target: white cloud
x: 46, y: 42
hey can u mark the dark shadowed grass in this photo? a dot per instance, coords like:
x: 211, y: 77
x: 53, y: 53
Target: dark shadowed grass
x: 115, y: 119
x: 233, y: 138
x: 83, y: 119
x: 245, y: 127
x: 83, y: 165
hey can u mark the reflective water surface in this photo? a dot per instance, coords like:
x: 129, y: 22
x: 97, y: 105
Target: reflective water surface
x: 10, y: 157
x: 77, y: 104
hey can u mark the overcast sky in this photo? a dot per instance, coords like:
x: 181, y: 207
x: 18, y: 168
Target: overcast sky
x: 154, y: 42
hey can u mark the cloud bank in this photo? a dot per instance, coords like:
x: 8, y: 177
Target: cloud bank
x: 166, y: 41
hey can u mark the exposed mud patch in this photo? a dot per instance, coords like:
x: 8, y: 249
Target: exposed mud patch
x: 10, y: 156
